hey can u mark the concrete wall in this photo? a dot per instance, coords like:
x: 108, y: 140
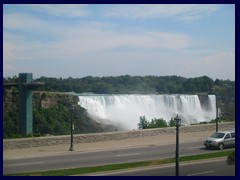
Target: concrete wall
x: 97, y: 137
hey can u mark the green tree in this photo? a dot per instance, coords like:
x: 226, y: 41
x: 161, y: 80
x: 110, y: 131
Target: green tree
x: 172, y: 123
x: 158, y: 123
x: 143, y: 124
x: 155, y: 123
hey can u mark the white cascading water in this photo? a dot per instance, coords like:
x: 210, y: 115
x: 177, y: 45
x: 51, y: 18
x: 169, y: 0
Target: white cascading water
x: 125, y: 110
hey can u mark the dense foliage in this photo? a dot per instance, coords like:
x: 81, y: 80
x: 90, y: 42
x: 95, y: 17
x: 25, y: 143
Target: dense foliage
x: 154, y: 123
x: 135, y: 84
x: 132, y: 84
x: 127, y: 84
x: 56, y: 121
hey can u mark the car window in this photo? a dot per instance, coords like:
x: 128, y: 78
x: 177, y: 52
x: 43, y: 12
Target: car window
x: 227, y: 136
x: 233, y: 135
x: 218, y: 135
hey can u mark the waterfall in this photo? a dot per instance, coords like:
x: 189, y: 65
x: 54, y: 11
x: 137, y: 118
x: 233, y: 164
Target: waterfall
x: 125, y: 110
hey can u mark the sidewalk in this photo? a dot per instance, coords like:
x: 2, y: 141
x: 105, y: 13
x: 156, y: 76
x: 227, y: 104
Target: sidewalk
x: 98, y: 146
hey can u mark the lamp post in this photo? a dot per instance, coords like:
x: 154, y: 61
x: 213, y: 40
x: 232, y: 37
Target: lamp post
x: 72, y: 128
x: 217, y: 106
x: 178, y: 123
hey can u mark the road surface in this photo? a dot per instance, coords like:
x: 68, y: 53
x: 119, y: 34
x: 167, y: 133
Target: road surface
x: 102, y: 157
x: 216, y: 167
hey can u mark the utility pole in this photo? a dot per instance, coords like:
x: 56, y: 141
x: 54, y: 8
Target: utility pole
x: 217, y: 116
x: 72, y: 128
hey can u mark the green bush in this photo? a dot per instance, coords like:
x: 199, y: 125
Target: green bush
x: 231, y: 158
x: 155, y: 123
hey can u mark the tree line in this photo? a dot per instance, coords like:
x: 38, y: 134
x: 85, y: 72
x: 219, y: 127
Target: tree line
x: 161, y: 123
x: 133, y: 84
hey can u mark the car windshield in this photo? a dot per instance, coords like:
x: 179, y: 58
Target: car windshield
x: 217, y: 135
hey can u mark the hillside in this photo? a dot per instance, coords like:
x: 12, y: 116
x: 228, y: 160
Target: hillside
x: 51, y: 115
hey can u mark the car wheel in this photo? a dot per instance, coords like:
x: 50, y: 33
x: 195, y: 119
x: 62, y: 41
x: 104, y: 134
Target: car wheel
x: 220, y: 146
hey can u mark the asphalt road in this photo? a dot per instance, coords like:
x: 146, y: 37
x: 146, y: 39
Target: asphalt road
x: 80, y: 159
x: 217, y: 167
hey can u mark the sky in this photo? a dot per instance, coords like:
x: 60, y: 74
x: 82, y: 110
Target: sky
x: 79, y: 40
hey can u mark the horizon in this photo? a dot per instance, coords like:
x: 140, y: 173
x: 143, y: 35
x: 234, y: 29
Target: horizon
x: 118, y: 76
x: 102, y: 40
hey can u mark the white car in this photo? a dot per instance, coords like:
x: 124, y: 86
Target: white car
x: 220, y: 140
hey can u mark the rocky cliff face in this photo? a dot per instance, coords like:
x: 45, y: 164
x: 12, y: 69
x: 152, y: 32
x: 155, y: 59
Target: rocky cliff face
x: 44, y: 100
x: 10, y: 99
x: 41, y: 99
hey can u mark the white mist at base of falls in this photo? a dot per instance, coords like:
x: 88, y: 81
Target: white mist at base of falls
x: 125, y: 110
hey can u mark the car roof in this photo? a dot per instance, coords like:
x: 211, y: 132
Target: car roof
x: 226, y: 131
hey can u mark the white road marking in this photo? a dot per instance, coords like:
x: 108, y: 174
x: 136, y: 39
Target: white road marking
x: 196, y: 147
x: 132, y: 154
x: 24, y: 164
x: 197, y: 174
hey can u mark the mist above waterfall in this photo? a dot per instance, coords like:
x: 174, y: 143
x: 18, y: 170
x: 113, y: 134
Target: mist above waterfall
x: 124, y: 111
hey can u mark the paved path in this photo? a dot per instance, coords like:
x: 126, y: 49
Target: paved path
x: 98, y: 146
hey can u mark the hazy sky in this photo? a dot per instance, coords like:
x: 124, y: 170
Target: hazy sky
x: 112, y: 40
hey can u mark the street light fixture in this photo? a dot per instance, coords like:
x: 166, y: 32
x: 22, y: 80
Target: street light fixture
x: 72, y: 128
x: 178, y: 124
